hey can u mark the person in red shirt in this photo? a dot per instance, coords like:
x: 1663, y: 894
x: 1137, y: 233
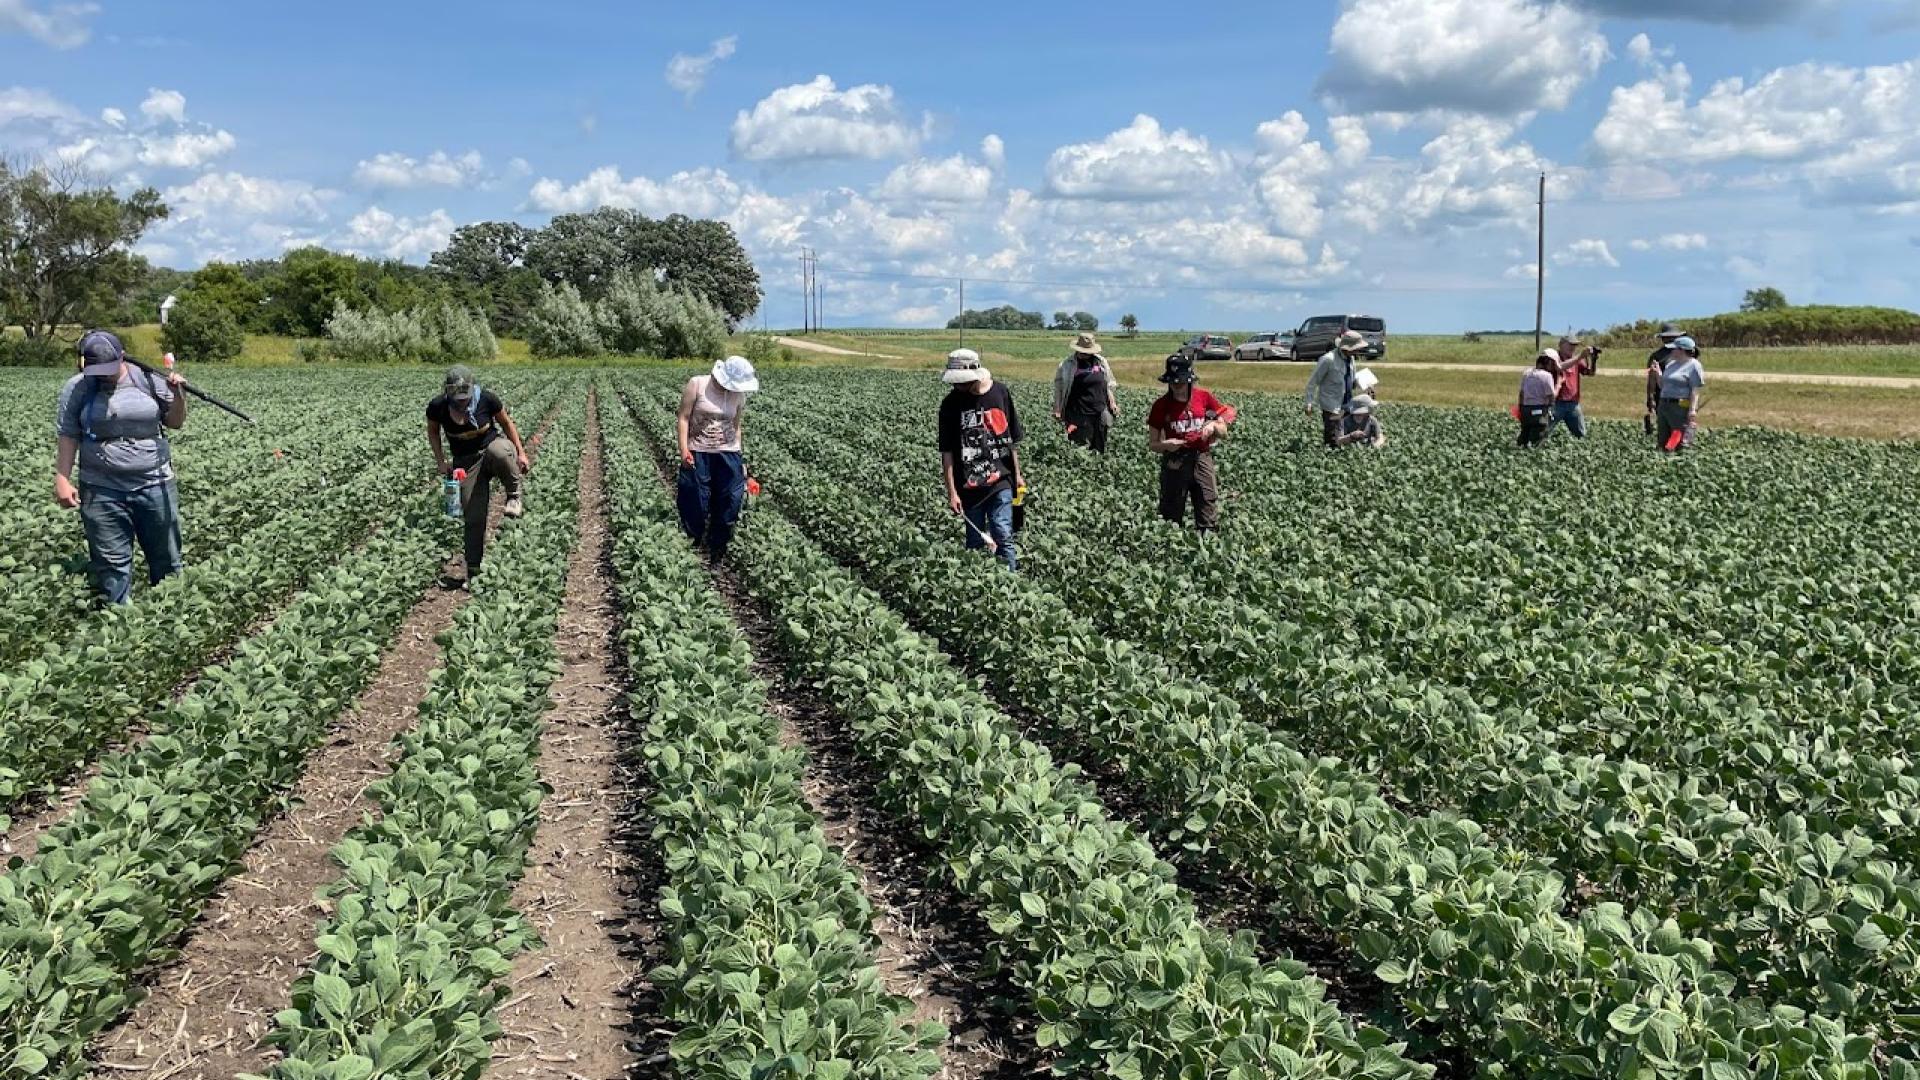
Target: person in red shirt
x: 1575, y: 360
x: 1183, y: 427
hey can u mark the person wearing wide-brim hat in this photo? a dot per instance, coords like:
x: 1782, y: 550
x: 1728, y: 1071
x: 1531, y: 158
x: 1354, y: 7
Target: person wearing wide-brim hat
x: 712, y: 486
x: 482, y: 445
x: 112, y: 421
x: 979, y: 437
x: 1330, y: 386
x: 1183, y: 427
x: 1083, y: 398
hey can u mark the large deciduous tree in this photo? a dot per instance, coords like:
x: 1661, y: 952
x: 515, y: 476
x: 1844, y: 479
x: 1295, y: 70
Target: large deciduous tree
x: 66, y: 244
x: 701, y: 257
x: 1764, y: 299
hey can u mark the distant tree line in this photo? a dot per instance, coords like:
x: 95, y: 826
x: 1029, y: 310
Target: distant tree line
x: 1008, y: 317
x: 67, y: 260
x: 1766, y: 319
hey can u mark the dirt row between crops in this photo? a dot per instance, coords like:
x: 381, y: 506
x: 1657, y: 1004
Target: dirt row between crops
x: 567, y: 1015
x: 208, y: 1009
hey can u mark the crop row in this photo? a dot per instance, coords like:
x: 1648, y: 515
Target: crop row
x: 1469, y: 933
x: 1086, y: 918
x: 412, y: 964
x: 769, y: 938
x: 57, y: 711
x: 118, y: 881
x: 1822, y: 921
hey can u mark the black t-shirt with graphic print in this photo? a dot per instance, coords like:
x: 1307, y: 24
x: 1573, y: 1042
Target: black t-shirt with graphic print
x: 980, y: 431
x: 467, y: 436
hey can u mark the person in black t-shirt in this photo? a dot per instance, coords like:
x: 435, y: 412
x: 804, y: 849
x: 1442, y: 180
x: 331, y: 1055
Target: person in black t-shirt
x: 474, y: 421
x: 979, y: 460
x: 1083, y: 395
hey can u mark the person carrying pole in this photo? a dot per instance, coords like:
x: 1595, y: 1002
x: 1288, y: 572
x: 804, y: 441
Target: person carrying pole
x: 1330, y: 386
x: 112, y: 420
x: 1083, y: 397
x: 979, y: 436
x: 1183, y: 427
x: 473, y: 420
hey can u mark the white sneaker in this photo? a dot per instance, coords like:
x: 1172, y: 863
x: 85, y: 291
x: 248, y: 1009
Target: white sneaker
x: 513, y: 509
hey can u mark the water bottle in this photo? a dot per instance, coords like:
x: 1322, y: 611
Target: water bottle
x: 451, y: 489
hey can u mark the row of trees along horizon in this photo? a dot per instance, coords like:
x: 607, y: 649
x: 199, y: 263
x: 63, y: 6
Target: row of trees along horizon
x: 610, y: 279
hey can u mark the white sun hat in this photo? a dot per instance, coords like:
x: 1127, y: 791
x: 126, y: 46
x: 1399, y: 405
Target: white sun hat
x: 963, y: 366
x: 735, y: 373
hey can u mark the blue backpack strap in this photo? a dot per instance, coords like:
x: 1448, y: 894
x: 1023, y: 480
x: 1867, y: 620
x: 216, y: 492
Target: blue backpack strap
x: 473, y: 406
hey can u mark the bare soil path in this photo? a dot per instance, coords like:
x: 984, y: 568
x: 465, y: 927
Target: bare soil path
x: 567, y: 1015
x: 832, y: 350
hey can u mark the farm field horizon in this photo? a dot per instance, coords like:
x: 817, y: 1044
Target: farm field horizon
x: 960, y: 822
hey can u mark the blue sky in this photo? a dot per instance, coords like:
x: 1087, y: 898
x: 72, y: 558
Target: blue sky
x: 1221, y: 165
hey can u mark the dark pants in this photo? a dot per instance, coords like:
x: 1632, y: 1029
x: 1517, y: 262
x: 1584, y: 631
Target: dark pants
x: 1331, y: 428
x: 1090, y: 432
x: 1188, y: 476
x: 992, y: 517
x: 1675, y: 415
x: 476, y: 493
x: 1535, y: 420
x: 711, y: 492
x: 114, y: 521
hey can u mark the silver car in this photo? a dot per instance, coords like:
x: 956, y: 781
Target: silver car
x: 1272, y: 345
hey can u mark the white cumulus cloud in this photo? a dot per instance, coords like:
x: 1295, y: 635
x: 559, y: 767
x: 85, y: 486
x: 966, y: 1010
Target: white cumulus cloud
x: 1499, y: 57
x: 1586, y: 253
x: 165, y: 105
x: 703, y: 192
x: 814, y: 120
x: 26, y: 103
x: 687, y: 73
x: 378, y: 232
x: 1140, y: 161
x: 396, y: 171
x: 113, y: 117
x: 62, y: 26
x: 1680, y: 241
x: 948, y: 180
x: 994, y: 152
x: 219, y: 196
x: 185, y: 149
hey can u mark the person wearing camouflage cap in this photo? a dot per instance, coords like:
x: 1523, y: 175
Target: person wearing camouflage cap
x: 473, y: 421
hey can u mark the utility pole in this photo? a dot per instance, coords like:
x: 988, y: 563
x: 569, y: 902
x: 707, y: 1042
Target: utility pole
x: 963, y: 313
x: 1540, y: 269
x: 806, y: 294
x: 819, y: 319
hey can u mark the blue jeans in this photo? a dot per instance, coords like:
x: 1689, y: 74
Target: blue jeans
x: 1568, y: 413
x: 710, y: 493
x: 993, y: 516
x: 115, y: 520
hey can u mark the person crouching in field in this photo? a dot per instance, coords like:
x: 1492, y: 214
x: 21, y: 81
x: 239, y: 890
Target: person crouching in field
x: 979, y: 436
x: 473, y: 420
x: 1361, y: 427
x: 1083, y: 395
x: 113, y: 420
x: 1183, y: 427
x: 712, y: 486
x: 1537, y: 390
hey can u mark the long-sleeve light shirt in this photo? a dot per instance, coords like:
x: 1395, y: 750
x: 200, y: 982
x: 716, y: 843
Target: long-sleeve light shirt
x: 1330, y: 386
x: 1537, y: 387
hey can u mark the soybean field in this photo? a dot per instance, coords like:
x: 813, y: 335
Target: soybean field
x: 1439, y: 760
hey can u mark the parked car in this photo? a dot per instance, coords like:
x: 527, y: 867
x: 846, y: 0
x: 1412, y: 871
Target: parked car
x: 1317, y: 335
x: 1272, y: 345
x: 1207, y: 347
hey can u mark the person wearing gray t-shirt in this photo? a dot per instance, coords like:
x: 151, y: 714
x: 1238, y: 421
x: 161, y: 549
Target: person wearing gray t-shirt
x: 1682, y: 380
x: 112, y: 421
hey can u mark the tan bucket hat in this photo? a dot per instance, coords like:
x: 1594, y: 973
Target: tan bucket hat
x: 1086, y: 344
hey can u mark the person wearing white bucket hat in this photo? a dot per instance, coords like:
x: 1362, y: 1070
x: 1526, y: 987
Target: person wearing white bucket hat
x: 979, y: 432
x: 712, y: 485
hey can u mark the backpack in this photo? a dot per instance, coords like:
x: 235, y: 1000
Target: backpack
x: 93, y: 391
